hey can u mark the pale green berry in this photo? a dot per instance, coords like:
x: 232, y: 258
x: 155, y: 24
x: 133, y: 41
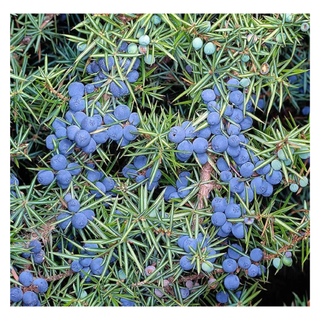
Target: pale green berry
x: 144, y: 40
x: 245, y: 82
x: 277, y: 263
x: 132, y: 48
x: 276, y: 164
x: 245, y: 58
x: 156, y: 19
x: 280, y: 36
x: 140, y: 33
x: 294, y: 187
x: 303, y: 182
x: 209, y: 48
x: 197, y: 43
x: 148, y: 59
x: 207, y: 266
x: 81, y: 46
x: 287, y: 261
x: 304, y: 27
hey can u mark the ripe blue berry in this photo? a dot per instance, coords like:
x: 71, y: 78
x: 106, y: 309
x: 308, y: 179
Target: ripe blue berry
x: 243, y: 157
x: 42, y: 285
x: 101, y: 190
x: 232, y: 84
x: 82, y: 138
x: 102, y: 136
x: 208, y: 95
x: 218, y: 219
x: 45, y: 177
x: 76, y: 266
x: 219, y: 143
x: 96, y: 266
x: 185, y: 263
x: 58, y: 162
x: 64, y: 177
x: 73, y: 205
x: 246, y: 170
x: 253, y: 271
x: 115, y: 132
x: 184, y: 292
x: 231, y: 282
x: 177, y: 134
x: 50, y: 139
x: 236, y: 97
x: 233, y: 254
x: 168, y: 192
x: 203, y: 158
x: 246, y: 123
x: 233, y: 211
x: 244, y: 262
x: 275, y: 177
x: 25, y: 278
x: 233, y: 151
x: 89, y: 124
x: 204, y: 133
x: 236, y: 186
x: 237, y: 116
x: 222, y: 165
x: 222, y: 297
x: 76, y: 88
x: 35, y: 246
x: 256, y: 254
x: 122, y: 112
x: 128, y: 132
x: 186, y: 148
x: 213, y: 118
x: 238, y: 230
x: 65, y: 223
x: 229, y: 265
x: 60, y: 132
x: 79, y: 220
x: 65, y: 147
x: 77, y: 103
x: 39, y: 257
x: 30, y: 299
x: 134, y: 118
x: 200, y: 145
x: 234, y: 141
x: 16, y: 294
x: 189, y: 242
x: 89, y: 214
x: 219, y: 204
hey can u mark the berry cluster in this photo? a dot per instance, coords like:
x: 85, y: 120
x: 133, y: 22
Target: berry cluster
x: 140, y: 172
x: 29, y: 293
x: 84, y: 129
x: 88, y: 266
x: 235, y: 262
x: 104, y: 72
x: 181, y: 190
x: 35, y: 252
x: 79, y: 219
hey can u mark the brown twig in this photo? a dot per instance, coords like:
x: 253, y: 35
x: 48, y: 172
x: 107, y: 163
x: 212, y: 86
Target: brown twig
x: 60, y: 276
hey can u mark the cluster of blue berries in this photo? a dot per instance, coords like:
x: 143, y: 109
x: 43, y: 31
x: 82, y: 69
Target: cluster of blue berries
x: 222, y: 131
x: 190, y: 246
x: 233, y: 263
x: 35, y: 251
x: 30, y: 298
x: 90, y: 266
x: 104, y: 69
x: 140, y: 172
x: 79, y: 219
x: 181, y: 190
x: 81, y: 130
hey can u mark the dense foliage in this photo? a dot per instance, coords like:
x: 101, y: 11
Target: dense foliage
x: 157, y: 160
